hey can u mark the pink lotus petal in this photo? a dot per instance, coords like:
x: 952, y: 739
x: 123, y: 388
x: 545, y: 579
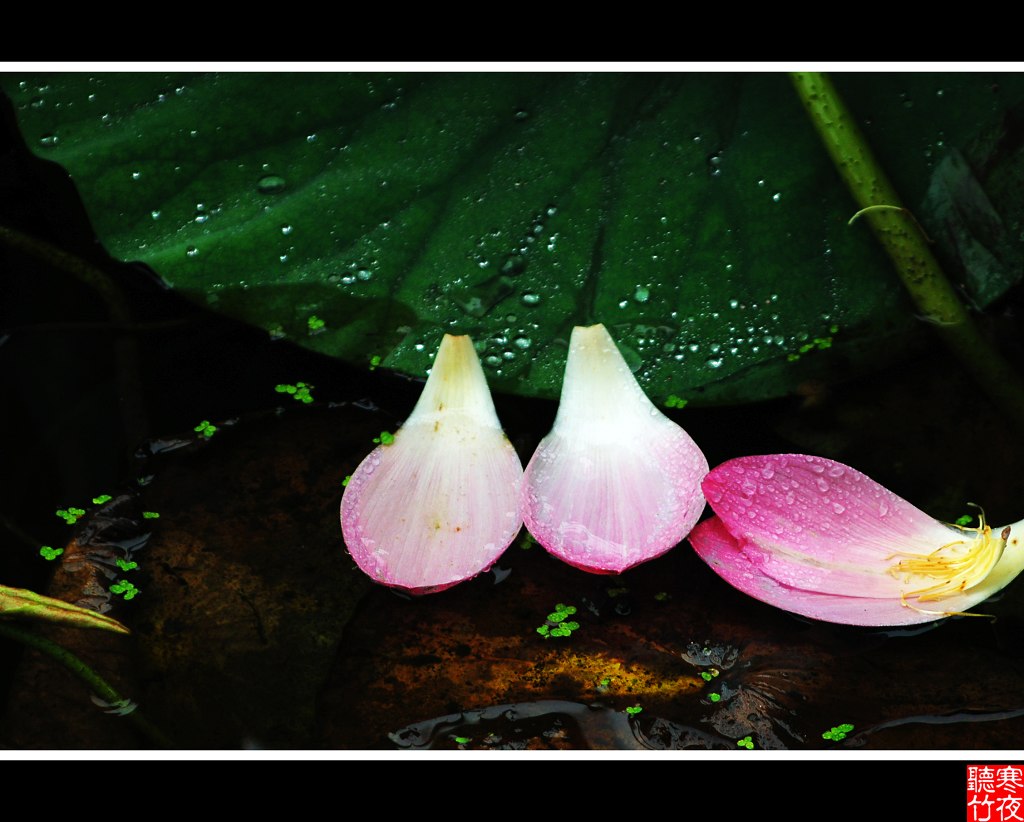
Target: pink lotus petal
x: 819, y: 538
x: 731, y: 560
x: 438, y: 505
x: 615, y: 483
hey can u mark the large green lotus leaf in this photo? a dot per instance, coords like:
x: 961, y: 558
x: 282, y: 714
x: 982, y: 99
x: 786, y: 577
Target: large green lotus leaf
x: 695, y: 215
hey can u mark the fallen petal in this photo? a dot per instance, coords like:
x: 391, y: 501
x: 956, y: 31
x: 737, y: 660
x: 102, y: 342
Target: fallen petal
x: 615, y: 483
x: 819, y: 538
x: 734, y: 562
x: 439, y: 504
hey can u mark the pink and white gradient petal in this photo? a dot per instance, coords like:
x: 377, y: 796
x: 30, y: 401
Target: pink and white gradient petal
x: 733, y: 561
x: 615, y: 483
x: 438, y: 505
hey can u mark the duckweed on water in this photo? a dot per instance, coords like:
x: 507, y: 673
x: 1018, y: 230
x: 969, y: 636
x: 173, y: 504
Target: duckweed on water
x: 300, y: 392
x: 125, y: 588
x: 70, y: 515
x: 557, y: 625
x: 205, y: 428
x: 838, y: 733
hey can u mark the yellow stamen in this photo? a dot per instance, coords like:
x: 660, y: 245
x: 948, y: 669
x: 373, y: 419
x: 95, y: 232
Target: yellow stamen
x: 956, y: 566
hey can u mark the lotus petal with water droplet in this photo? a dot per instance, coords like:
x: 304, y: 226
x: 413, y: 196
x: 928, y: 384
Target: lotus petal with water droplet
x: 818, y: 538
x: 438, y: 504
x: 616, y: 482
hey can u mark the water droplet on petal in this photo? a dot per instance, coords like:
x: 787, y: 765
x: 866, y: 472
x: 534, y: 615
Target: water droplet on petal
x: 838, y: 507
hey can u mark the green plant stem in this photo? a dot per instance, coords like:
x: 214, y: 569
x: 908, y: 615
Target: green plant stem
x: 906, y: 245
x: 98, y: 685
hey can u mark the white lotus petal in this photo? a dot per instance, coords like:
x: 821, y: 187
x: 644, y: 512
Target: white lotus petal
x: 440, y: 503
x: 616, y: 482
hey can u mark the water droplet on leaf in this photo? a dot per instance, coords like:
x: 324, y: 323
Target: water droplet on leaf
x: 270, y: 184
